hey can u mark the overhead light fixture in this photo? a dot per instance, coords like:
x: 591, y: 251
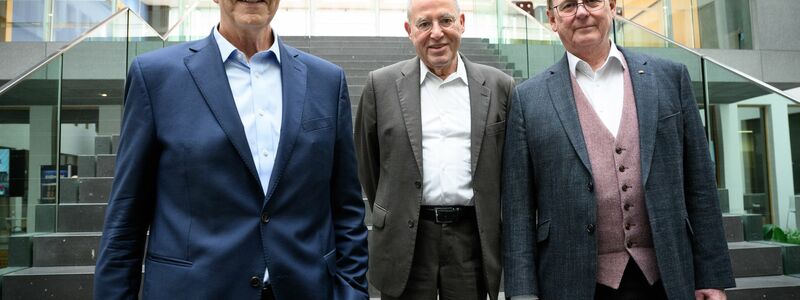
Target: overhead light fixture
x: 103, y: 95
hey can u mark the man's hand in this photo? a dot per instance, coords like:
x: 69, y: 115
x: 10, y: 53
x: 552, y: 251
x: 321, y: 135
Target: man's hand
x: 709, y: 294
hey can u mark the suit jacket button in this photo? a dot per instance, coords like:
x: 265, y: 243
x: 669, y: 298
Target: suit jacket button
x: 410, y: 223
x: 265, y: 218
x: 590, y: 187
x: 590, y: 228
x: 417, y: 184
x: 255, y: 282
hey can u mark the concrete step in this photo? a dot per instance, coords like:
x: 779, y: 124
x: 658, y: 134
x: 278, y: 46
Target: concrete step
x: 104, y: 166
x: 734, y: 230
x: 86, y: 190
x: 755, y: 259
x: 106, y: 144
x: 81, y: 217
x: 344, y: 49
x: 374, y: 65
x: 765, y: 287
x: 362, y: 44
x: 64, y: 283
x: 65, y: 249
x: 401, y: 57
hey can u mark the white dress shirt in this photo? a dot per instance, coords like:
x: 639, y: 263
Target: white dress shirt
x: 605, y: 91
x: 257, y: 91
x: 604, y: 88
x: 446, y: 128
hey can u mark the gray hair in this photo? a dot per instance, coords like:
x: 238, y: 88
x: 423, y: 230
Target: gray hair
x: 408, y: 8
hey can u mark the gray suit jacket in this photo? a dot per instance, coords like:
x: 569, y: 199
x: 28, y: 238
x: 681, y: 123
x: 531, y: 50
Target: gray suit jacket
x: 388, y: 135
x: 548, y: 200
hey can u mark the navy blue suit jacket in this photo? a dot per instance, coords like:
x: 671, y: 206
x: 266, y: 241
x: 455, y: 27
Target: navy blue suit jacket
x: 185, y: 172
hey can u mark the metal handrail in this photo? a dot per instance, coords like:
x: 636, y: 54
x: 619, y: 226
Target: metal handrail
x: 12, y: 83
x: 758, y: 82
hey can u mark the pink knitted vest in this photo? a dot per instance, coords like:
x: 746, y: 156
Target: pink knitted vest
x: 623, y: 229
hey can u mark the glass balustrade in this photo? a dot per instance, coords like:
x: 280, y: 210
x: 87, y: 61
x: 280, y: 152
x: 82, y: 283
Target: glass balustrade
x: 59, y: 123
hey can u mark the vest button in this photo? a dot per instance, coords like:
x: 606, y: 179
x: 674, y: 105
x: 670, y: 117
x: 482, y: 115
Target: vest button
x: 255, y: 281
x: 627, y: 226
x: 627, y: 207
x: 622, y: 168
x: 590, y: 228
x: 417, y: 184
x: 629, y: 244
x: 618, y: 150
x: 625, y: 187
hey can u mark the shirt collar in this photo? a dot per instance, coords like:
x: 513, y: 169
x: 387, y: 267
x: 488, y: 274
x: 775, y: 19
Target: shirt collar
x: 577, y: 64
x: 461, y: 72
x: 226, y: 49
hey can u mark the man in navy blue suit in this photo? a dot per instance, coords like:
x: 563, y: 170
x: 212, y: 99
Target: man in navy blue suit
x: 242, y: 167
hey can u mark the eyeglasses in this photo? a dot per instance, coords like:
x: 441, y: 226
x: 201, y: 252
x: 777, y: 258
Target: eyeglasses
x: 427, y: 25
x: 570, y: 8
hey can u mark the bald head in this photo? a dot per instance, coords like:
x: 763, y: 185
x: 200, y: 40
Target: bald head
x: 411, y: 2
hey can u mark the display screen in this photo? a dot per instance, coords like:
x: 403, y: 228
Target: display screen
x: 5, y: 155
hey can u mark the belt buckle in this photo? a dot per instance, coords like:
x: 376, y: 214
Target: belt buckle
x: 445, y: 215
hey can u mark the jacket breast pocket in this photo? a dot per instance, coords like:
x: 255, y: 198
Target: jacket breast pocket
x: 378, y: 216
x: 317, y: 124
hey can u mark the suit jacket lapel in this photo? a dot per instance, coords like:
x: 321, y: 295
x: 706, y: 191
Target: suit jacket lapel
x: 563, y: 99
x: 645, y: 91
x: 479, y: 96
x: 206, y: 68
x: 293, y: 81
x: 409, y: 96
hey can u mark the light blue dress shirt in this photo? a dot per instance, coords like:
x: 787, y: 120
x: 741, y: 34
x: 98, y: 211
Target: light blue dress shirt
x: 257, y: 91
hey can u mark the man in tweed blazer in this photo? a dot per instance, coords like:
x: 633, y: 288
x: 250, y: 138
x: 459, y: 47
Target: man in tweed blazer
x: 608, y: 186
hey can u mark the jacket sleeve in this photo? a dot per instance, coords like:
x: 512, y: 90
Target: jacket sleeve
x: 367, y: 141
x: 519, y: 206
x: 118, y: 271
x: 348, y: 208
x: 711, y: 261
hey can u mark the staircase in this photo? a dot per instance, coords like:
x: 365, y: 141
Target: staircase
x: 62, y: 263
x: 760, y: 266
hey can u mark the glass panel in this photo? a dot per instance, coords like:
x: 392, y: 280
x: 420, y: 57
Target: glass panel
x: 725, y: 24
x: 91, y: 109
x: 71, y: 18
x: 752, y: 133
x: 794, y: 134
x: 632, y: 36
x: 164, y: 14
x: 28, y: 130
x: 750, y: 129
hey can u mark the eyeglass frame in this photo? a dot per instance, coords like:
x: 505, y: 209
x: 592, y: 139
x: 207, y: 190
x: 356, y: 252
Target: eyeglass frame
x: 577, y: 3
x: 454, y: 20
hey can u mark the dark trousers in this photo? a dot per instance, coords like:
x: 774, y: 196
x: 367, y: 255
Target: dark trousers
x: 447, y: 263
x: 634, y: 286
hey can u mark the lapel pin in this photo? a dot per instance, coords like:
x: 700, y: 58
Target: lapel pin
x: 641, y: 71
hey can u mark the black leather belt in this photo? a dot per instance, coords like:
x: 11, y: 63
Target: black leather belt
x: 446, y: 214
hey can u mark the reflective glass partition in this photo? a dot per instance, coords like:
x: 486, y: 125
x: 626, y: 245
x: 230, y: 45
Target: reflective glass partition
x: 58, y: 131
x: 28, y: 161
x: 718, y: 24
x: 635, y: 37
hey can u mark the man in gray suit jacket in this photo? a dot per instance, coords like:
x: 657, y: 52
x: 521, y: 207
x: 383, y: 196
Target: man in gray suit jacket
x: 608, y: 186
x: 429, y: 135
